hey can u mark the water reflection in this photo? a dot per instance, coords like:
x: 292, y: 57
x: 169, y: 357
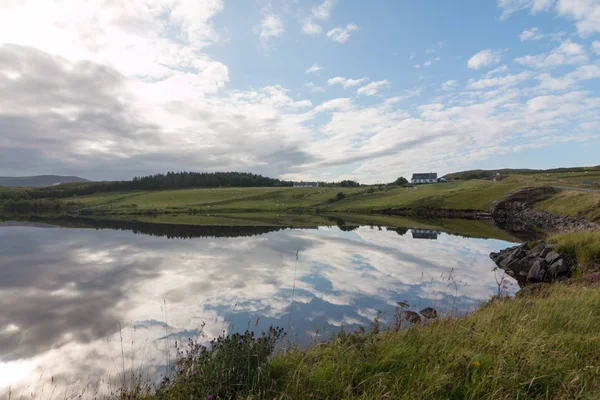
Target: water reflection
x: 65, y: 292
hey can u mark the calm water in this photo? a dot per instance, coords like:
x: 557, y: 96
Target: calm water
x: 64, y: 293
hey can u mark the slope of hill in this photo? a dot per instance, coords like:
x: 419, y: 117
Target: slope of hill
x: 488, y: 173
x: 38, y: 181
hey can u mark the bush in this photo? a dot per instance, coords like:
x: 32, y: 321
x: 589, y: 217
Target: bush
x: 229, y: 367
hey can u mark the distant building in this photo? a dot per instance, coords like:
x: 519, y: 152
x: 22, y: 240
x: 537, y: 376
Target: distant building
x: 424, y: 234
x: 306, y: 184
x: 430, y: 177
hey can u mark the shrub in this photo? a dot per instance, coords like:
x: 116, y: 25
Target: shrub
x: 231, y: 366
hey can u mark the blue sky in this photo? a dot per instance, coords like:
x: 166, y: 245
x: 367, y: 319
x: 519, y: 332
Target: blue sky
x: 327, y: 89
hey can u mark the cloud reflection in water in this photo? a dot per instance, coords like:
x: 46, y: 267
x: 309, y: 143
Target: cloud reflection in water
x: 65, y: 292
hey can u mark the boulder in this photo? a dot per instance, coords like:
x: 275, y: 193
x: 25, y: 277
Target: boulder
x: 552, y: 257
x: 559, y: 269
x: 429, y: 313
x: 537, y: 250
x: 546, y: 251
x: 411, y: 316
x: 537, y: 271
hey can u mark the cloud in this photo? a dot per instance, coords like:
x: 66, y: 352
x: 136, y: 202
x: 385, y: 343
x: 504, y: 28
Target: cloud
x: 271, y: 26
x: 507, y: 80
x: 566, y: 53
x: 372, y: 88
x: 314, y: 88
x: 343, y: 103
x: 537, y: 34
x: 323, y: 10
x: 535, y: 6
x: 346, y: 83
x: 596, y: 47
x: 581, y: 73
x: 585, y: 13
x: 314, y: 68
x: 341, y: 35
x: 531, y: 34
x: 309, y: 27
x: 484, y: 58
x: 449, y: 85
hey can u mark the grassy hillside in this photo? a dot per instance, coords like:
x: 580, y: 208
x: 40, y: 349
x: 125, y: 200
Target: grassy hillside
x: 475, y: 194
x: 543, y: 345
x: 489, y: 173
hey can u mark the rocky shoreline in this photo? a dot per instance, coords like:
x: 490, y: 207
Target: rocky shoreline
x: 538, y: 261
x: 515, y: 214
x: 533, y: 263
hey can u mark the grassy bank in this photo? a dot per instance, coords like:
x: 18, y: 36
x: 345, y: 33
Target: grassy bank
x: 584, y: 246
x: 537, y: 346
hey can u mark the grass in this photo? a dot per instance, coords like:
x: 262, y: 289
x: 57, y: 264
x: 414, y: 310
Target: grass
x: 585, y: 246
x: 574, y: 204
x: 476, y: 194
x: 545, y: 345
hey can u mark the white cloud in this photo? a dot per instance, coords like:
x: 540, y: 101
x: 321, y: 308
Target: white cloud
x: 535, y: 6
x: 484, y: 58
x: 596, y: 47
x: 531, y: 34
x: 567, y: 52
x: 323, y: 10
x: 314, y: 88
x: 346, y: 83
x: 506, y: 80
x: 309, y: 27
x: 372, y: 88
x: 343, y: 103
x: 537, y: 34
x: 314, y: 68
x: 271, y: 26
x: 585, y: 72
x: 449, y: 85
x: 341, y: 35
x: 585, y: 13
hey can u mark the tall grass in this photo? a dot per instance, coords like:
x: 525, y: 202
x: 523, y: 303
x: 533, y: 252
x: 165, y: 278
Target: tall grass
x: 584, y: 246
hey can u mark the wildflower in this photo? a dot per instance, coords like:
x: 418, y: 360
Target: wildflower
x: 210, y: 397
x: 476, y: 364
x: 194, y: 372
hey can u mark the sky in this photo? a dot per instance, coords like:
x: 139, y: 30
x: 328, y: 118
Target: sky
x: 300, y: 90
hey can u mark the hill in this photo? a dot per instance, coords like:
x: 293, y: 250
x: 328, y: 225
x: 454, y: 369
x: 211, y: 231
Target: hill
x: 39, y: 180
x: 488, y: 173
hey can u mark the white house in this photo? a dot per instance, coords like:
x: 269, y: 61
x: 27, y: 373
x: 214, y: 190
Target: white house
x: 430, y: 177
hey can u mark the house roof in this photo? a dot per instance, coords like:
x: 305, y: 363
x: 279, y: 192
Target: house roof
x: 430, y: 175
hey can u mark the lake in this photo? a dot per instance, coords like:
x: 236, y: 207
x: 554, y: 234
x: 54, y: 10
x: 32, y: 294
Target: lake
x: 79, y: 305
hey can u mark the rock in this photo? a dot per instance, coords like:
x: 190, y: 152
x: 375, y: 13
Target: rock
x: 537, y: 250
x: 546, y: 251
x: 559, y: 268
x: 402, y: 304
x: 522, y: 266
x: 429, y: 313
x: 411, y: 316
x: 552, y: 257
x: 537, y: 271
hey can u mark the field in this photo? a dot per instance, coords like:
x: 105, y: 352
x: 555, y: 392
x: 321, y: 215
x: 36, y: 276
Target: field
x: 283, y: 205
x: 458, y: 195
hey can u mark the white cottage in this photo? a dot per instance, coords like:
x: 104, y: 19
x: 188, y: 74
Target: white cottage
x: 430, y: 177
